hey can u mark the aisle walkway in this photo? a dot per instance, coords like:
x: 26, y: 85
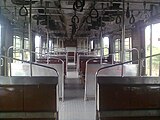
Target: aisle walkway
x: 74, y: 107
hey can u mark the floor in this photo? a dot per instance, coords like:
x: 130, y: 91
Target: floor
x: 74, y: 107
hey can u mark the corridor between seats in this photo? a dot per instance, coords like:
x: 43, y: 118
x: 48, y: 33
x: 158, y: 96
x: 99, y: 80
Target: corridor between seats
x: 74, y: 107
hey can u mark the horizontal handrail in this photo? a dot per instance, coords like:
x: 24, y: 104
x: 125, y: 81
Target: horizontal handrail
x: 125, y: 63
x: 31, y: 63
x: 108, y: 55
x: 51, y: 49
x: 19, y: 49
x: 96, y: 58
x: 78, y: 58
x: 101, y: 48
x: 82, y: 50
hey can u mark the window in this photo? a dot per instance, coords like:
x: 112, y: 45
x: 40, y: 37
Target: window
x: 38, y: 48
x: 43, y: 49
x: 26, y: 53
x: 50, y: 46
x: 92, y: 45
x: 18, y: 51
x: 127, y: 48
x: 155, y: 49
x: 147, y: 49
x: 152, y: 46
x: 61, y: 44
x: 117, y: 50
x: 105, y: 46
x: 17, y: 43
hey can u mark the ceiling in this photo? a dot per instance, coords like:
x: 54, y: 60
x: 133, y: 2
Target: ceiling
x: 59, y: 19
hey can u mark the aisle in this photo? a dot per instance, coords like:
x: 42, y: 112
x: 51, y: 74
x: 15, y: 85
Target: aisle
x: 74, y: 107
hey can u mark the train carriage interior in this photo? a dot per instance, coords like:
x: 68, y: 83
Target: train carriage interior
x: 79, y: 59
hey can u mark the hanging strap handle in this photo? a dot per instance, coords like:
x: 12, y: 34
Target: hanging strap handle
x: 94, y: 10
x: 75, y: 19
x: 37, y: 19
x: 144, y: 5
x: 74, y: 28
x: 91, y: 13
x: 132, y: 19
x: 23, y: 8
x: 78, y: 5
x: 118, y: 18
x: 88, y: 20
x: 127, y: 11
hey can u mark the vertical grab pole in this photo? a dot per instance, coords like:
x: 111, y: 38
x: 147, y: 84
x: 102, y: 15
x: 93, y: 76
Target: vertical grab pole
x: 66, y: 61
x: 123, y: 36
x: 57, y: 42
x: 87, y: 46
x: 75, y: 57
x: 138, y: 55
x: 159, y: 65
x: 101, y: 41
x: 84, y: 44
x: 9, y: 61
x: 10, y: 74
x: 30, y: 34
x: 151, y: 36
x: 62, y: 80
x: 47, y: 41
x: 112, y: 58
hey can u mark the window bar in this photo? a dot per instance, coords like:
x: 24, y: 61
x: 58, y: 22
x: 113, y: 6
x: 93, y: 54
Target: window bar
x: 30, y: 34
x: 151, y: 49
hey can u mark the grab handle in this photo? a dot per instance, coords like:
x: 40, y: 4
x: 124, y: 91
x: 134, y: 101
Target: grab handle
x: 25, y: 11
x: 2, y: 62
